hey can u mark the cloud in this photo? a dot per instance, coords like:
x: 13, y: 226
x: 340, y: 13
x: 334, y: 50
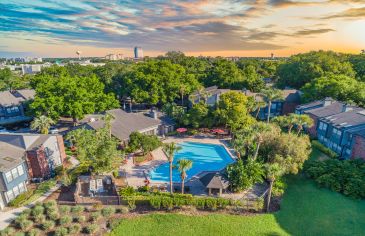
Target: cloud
x: 307, y: 32
x: 351, y: 13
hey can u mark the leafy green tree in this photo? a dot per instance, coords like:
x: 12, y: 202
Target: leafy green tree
x: 244, y: 174
x: 339, y: 87
x: 286, y: 122
x: 232, y: 110
x: 143, y: 142
x: 10, y: 81
x: 42, y: 124
x: 304, y: 68
x: 259, y: 129
x: 70, y: 96
x: 269, y: 96
x: 197, y: 115
x: 95, y: 149
x: 252, y: 80
x: 303, y: 120
x: 170, y: 149
x: 224, y: 74
x: 358, y: 63
x: 184, y: 165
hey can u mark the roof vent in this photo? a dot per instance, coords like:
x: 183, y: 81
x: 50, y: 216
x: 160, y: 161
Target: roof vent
x: 92, y: 119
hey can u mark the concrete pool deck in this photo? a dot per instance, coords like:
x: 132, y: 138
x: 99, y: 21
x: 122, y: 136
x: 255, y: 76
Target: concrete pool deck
x: 136, y: 175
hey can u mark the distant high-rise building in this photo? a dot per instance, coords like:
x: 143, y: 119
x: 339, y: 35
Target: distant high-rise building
x: 114, y: 57
x: 138, y: 52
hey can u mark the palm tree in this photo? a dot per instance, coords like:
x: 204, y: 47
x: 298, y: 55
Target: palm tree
x: 258, y: 106
x: 183, y: 166
x: 269, y: 96
x: 273, y: 171
x: 42, y: 124
x: 108, y: 123
x: 286, y: 121
x: 170, y: 149
x: 182, y: 91
x: 259, y: 129
x: 301, y: 121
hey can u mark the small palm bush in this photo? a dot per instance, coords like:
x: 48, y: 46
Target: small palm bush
x: 48, y: 225
x: 34, y: 232
x: 37, y: 210
x: 74, y: 229
x: 80, y: 219
x: 90, y: 229
x: 7, y: 231
x: 95, y: 216
x: 39, y: 218
x: 54, y: 216
x: 108, y: 211
x: 62, y: 231
x: 113, y: 223
x: 50, y: 204
x: 25, y: 225
x: 77, y: 209
x: 123, y: 210
x: 65, y: 209
x: 65, y: 220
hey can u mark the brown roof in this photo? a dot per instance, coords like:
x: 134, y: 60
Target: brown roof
x: 215, y: 180
x: 8, y: 99
x: 125, y: 123
x: 10, y: 156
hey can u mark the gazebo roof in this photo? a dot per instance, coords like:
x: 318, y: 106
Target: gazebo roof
x: 214, y: 180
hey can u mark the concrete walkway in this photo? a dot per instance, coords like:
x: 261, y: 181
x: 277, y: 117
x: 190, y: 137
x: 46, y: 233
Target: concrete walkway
x: 6, y: 217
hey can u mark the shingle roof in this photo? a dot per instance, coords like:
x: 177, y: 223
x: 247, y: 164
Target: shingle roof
x: 8, y: 99
x: 316, y: 104
x: 25, y: 93
x: 125, y: 123
x: 214, y: 180
x: 347, y: 119
x: 10, y: 156
x: 289, y: 95
x: 332, y: 109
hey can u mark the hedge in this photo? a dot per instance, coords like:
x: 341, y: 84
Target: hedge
x: 324, y: 149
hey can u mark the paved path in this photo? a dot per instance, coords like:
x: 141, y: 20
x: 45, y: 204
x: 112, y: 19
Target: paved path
x: 7, y: 216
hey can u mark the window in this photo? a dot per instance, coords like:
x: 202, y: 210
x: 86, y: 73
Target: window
x: 22, y: 187
x: 8, y: 177
x: 273, y: 106
x: 10, y: 195
x: 16, y: 191
x: 14, y: 172
x: 20, y: 170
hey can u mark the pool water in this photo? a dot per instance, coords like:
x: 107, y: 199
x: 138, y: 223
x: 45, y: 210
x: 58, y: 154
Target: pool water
x: 205, y: 157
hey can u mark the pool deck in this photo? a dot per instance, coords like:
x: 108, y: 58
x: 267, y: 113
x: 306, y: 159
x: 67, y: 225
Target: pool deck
x: 136, y: 175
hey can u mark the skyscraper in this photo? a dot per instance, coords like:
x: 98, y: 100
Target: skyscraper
x: 138, y: 52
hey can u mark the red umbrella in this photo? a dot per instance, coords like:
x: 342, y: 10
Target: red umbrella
x: 181, y: 130
x: 218, y: 131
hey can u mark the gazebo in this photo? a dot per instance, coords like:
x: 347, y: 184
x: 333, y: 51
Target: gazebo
x: 214, y: 180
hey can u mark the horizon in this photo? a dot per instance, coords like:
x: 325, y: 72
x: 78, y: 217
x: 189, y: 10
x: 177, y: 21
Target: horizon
x: 231, y: 28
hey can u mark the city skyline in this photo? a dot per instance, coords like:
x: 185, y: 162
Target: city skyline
x: 54, y: 28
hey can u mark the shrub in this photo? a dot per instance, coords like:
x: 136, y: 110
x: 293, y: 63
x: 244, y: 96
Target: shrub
x: 37, y: 210
x: 80, y: 219
x: 19, y: 234
x: 25, y: 225
x: 123, y: 210
x: 167, y: 203
x: 39, y: 219
x: 324, y: 149
x: 74, y: 229
x: 65, y: 220
x: 143, y: 189
x: 113, y: 223
x: 34, y: 232
x: 53, y: 216
x: 155, y: 202
x: 21, y: 199
x: 222, y: 203
x: 90, y: 229
x: 127, y: 191
x: 27, y: 211
x: 7, y: 231
x: 65, y: 209
x: 62, y: 231
x: 211, y: 203
x: 346, y: 177
x: 95, y: 216
x: 199, y: 203
x: 20, y: 218
x: 131, y: 203
x: 50, y: 204
x: 97, y: 206
x: 48, y: 225
x: 77, y: 209
x: 108, y: 211
x: 51, y: 210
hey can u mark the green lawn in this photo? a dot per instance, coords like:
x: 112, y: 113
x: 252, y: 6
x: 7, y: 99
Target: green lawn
x: 305, y: 210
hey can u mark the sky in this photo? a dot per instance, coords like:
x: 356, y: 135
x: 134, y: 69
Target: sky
x: 59, y: 28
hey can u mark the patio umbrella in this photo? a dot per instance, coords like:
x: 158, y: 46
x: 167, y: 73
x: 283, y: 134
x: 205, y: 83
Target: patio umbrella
x: 181, y: 130
x: 218, y: 131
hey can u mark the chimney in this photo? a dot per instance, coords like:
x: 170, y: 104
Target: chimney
x: 346, y: 107
x: 153, y: 113
x: 327, y: 101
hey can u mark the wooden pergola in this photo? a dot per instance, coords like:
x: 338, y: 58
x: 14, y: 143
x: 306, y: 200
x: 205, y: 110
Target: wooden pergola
x: 215, y: 180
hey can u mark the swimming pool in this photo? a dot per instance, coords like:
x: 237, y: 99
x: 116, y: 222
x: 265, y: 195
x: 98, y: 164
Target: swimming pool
x: 205, y: 157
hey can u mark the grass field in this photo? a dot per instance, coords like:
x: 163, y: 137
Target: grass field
x: 305, y: 210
